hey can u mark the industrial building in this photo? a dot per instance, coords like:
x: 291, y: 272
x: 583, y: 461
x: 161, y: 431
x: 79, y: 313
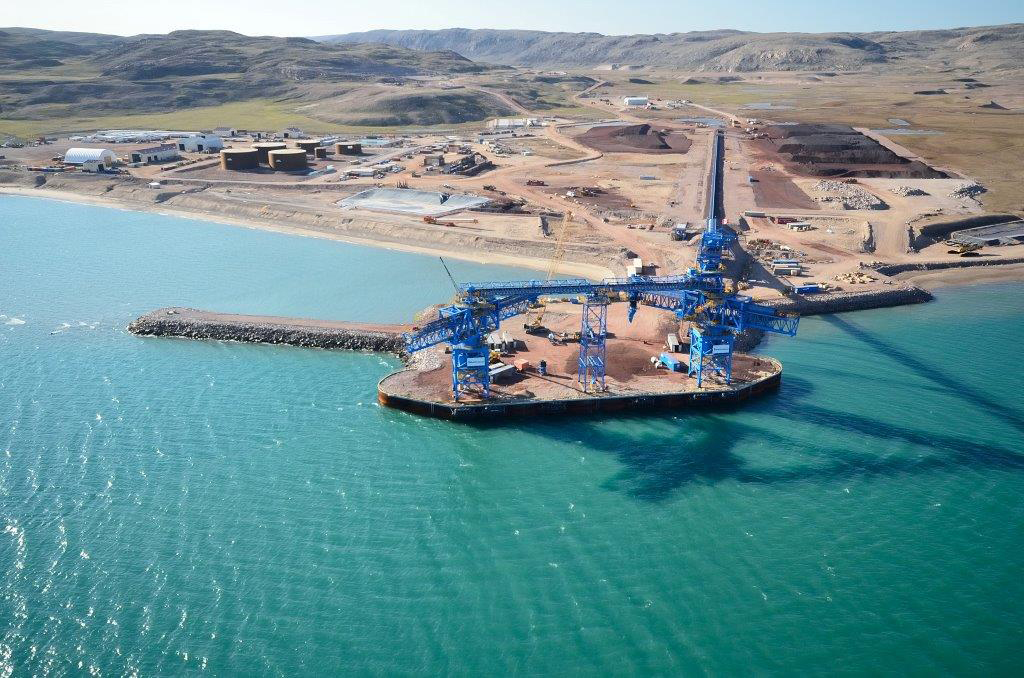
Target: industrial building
x: 513, y: 123
x: 155, y: 154
x: 1007, y: 233
x: 198, y: 143
x: 263, y: 148
x: 287, y: 159
x: 635, y: 102
x: 348, y: 148
x: 239, y: 158
x: 225, y: 132
x: 309, y: 145
x: 128, y: 136
x: 292, y: 133
x: 81, y: 156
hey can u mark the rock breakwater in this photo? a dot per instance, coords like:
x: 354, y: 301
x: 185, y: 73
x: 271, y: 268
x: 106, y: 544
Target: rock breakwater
x: 195, y: 324
x: 841, y: 302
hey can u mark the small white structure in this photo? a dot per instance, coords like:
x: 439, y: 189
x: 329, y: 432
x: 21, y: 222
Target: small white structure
x: 292, y: 133
x: 362, y: 172
x: 513, y: 123
x: 93, y: 166
x: 197, y: 143
x: 225, y: 132
x: 154, y: 154
x: 80, y: 156
x: 635, y: 102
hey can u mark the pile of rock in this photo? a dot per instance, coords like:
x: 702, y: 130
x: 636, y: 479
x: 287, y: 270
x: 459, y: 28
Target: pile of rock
x: 850, y: 196
x: 905, y: 191
x: 192, y: 324
x: 856, y: 278
x: 968, y: 191
x: 425, y: 361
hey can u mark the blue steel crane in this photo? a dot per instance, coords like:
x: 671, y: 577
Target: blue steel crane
x: 480, y: 307
x: 715, y: 318
x: 698, y: 296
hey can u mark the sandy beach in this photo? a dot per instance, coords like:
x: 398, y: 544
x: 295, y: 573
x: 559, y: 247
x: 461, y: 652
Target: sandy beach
x: 930, y: 279
x: 566, y: 267
x: 965, y: 276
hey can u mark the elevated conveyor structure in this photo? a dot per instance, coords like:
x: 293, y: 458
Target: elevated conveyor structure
x: 698, y: 296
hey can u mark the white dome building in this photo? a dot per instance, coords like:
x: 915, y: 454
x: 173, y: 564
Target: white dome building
x: 80, y: 156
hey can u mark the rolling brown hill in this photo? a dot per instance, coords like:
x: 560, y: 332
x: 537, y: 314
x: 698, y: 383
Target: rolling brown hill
x: 985, y: 48
x: 52, y: 75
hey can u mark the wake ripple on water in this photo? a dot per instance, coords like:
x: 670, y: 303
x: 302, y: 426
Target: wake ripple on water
x: 174, y: 506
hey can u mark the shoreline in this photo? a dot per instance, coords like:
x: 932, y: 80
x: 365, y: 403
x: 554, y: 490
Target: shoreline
x: 975, y: 275
x: 591, y: 271
x: 968, y: 274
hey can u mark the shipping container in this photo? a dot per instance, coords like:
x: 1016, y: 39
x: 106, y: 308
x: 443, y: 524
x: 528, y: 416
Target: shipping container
x: 671, y: 362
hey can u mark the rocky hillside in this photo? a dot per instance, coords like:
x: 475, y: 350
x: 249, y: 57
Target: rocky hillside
x: 145, y: 57
x: 50, y: 75
x: 982, y: 48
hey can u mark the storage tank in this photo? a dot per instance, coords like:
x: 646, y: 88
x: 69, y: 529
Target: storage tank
x: 265, y: 147
x: 320, y: 152
x: 288, y: 159
x: 347, y: 148
x: 239, y: 158
x: 309, y: 145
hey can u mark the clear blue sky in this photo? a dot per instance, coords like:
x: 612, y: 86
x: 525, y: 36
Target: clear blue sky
x: 321, y: 17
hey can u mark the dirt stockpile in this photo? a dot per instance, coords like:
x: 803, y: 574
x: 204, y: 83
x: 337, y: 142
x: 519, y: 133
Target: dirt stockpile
x: 839, y: 150
x: 634, y: 139
x: 849, y: 196
x: 967, y: 191
x: 906, y: 191
x: 777, y: 190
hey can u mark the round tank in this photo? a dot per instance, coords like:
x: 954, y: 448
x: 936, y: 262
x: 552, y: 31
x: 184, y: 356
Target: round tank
x: 239, y: 158
x: 288, y: 159
x: 348, y: 149
x: 265, y: 147
x: 320, y: 152
x: 308, y: 145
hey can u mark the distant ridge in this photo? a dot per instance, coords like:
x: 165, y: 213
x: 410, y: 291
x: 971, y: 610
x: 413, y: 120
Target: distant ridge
x: 51, y: 75
x: 983, y: 48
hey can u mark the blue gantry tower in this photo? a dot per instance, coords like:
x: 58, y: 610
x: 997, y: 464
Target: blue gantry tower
x: 699, y: 296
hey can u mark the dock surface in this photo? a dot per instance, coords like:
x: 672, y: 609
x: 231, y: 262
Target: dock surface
x: 424, y: 392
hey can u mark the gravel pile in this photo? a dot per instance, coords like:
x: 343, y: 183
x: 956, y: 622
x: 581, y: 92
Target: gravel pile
x: 968, y: 191
x: 905, y: 191
x: 425, y: 361
x: 850, y: 196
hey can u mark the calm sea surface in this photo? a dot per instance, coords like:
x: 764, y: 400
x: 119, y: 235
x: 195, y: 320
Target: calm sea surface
x: 175, y: 507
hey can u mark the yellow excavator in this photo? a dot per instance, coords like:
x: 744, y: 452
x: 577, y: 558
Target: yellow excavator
x: 535, y: 317
x: 963, y: 249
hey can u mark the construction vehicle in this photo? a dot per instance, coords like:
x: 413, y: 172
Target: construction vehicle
x: 534, y: 323
x: 436, y: 222
x: 535, y: 182
x: 479, y: 309
x: 964, y: 249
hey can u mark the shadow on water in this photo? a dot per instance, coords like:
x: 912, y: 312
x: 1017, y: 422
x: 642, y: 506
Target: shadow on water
x: 663, y: 454
x: 928, y: 371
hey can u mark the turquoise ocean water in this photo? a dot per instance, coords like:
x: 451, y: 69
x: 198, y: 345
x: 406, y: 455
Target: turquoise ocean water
x: 174, y: 507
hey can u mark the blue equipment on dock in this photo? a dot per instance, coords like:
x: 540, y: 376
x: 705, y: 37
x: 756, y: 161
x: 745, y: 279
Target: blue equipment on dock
x: 671, y: 362
x: 698, y: 296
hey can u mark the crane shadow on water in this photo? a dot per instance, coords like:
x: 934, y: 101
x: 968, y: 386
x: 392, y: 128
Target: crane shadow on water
x: 928, y: 371
x: 663, y: 454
